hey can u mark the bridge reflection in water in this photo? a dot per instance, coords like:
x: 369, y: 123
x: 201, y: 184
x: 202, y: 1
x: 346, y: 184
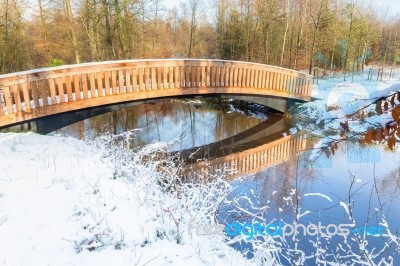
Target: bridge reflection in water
x: 249, y: 152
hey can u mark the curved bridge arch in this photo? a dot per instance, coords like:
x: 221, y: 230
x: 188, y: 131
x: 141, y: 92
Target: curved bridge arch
x: 29, y: 95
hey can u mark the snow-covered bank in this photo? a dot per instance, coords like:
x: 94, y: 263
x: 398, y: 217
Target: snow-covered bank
x: 65, y: 202
x: 337, y: 100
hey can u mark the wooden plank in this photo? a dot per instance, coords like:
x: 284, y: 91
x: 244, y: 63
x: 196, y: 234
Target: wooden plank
x: 165, y: 78
x: 141, y: 84
x: 271, y: 81
x: 121, y: 82
x: 212, y: 76
x: 187, y: 77
x: 176, y: 77
x: 92, y: 80
x: 181, y: 76
x: 303, y: 88
x: 52, y: 91
x: 268, y: 80
x: 69, y: 88
x: 217, y: 76
x: 25, y: 92
x: 114, y: 84
x: 293, y: 83
x: 128, y: 80
x: 261, y: 79
x: 60, y: 87
x: 159, y: 78
x: 147, y: 78
x: 231, y: 77
x: 1, y: 104
x: 222, y: 76
x: 296, y: 84
x: 171, y: 77
x: 246, y: 81
x: 300, y: 88
x: 107, y: 82
x: 208, y: 76
x: 198, y: 77
x: 100, y: 87
x: 203, y: 76
x: 280, y: 81
x: 253, y: 78
x: 17, y: 97
x: 8, y: 99
x: 44, y: 91
x: 265, y: 81
x: 193, y: 73
x: 85, y: 86
x: 134, y: 80
x: 309, y: 88
x: 76, y: 86
x: 152, y: 78
x: 299, y: 84
x: 284, y: 82
x: 35, y: 94
x: 274, y: 81
x: 249, y: 77
x: 244, y: 78
x: 240, y: 77
x: 235, y: 77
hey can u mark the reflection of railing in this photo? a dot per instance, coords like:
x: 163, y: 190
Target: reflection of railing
x: 42, y: 92
x: 249, y: 161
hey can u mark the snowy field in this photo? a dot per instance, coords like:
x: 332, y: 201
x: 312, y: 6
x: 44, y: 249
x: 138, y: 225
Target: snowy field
x: 67, y: 202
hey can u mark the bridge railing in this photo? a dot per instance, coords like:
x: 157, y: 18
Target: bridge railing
x: 250, y: 161
x: 41, y: 92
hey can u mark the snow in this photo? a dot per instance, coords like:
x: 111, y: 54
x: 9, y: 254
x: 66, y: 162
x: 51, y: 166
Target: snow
x: 337, y: 100
x: 62, y: 202
x: 319, y: 195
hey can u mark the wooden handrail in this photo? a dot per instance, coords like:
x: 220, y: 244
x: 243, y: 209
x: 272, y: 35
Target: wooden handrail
x: 41, y: 92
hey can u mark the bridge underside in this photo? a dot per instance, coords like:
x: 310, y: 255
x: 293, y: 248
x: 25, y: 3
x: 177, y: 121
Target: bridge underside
x: 277, y: 103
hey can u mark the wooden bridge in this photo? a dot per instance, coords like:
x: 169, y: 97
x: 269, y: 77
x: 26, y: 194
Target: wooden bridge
x: 33, y: 94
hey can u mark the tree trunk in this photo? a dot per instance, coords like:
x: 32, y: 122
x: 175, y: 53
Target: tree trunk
x: 72, y: 31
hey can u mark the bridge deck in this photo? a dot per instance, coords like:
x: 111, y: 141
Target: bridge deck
x: 38, y: 93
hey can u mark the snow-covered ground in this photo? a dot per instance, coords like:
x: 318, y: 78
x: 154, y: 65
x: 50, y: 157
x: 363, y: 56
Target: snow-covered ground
x: 67, y: 202
x: 337, y: 100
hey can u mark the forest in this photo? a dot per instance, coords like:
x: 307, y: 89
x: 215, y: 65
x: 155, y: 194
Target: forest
x: 298, y: 34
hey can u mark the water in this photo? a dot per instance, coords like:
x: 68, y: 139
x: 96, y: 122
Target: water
x: 185, y: 125
x: 364, y: 178
x: 359, y: 185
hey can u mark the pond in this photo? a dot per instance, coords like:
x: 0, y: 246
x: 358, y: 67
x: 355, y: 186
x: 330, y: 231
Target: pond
x: 354, y: 191
x: 182, y: 124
